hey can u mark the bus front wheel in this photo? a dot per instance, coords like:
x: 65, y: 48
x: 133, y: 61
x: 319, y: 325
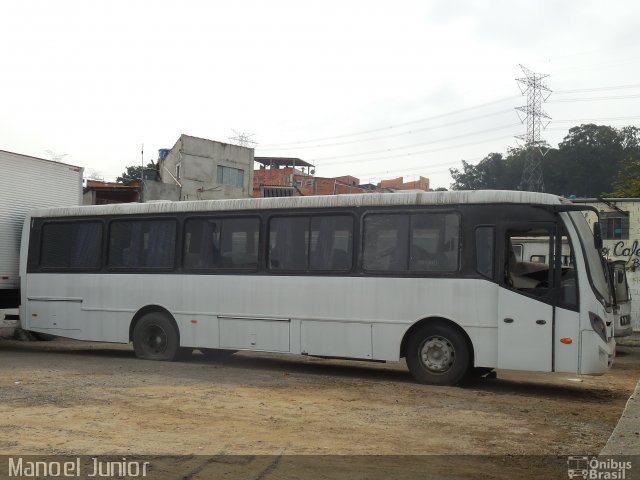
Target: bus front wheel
x: 155, y: 338
x: 437, y: 354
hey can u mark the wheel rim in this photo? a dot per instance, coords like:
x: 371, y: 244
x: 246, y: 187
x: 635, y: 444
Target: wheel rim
x: 155, y: 340
x: 437, y: 354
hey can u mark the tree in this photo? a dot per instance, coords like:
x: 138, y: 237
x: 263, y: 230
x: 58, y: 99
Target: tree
x: 493, y: 172
x: 627, y: 181
x: 133, y: 172
x: 589, y: 157
x: 590, y: 160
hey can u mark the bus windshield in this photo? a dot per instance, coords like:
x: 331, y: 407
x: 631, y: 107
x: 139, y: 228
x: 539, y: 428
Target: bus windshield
x: 594, y: 265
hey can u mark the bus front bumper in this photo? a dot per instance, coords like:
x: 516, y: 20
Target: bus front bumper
x: 597, y: 356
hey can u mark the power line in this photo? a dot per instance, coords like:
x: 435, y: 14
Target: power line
x: 603, y: 119
x: 597, y: 89
x: 423, y: 169
x: 399, y: 134
x: 591, y: 99
x: 419, y: 152
x: 373, y: 152
x: 380, y: 129
x: 475, y: 107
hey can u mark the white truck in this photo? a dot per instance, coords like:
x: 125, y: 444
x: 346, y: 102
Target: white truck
x: 27, y: 183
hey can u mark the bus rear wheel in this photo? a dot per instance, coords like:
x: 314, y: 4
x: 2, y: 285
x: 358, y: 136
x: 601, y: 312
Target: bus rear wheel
x: 437, y: 354
x: 155, y: 337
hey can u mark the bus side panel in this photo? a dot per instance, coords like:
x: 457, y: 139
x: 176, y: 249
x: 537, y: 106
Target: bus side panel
x: 566, y: 355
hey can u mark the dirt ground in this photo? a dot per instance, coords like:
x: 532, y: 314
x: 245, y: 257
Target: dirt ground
x: 67, y: 397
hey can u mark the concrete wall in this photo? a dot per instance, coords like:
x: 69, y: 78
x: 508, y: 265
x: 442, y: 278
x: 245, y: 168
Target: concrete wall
x: 159, y: 191
x: 199, y: 160
x: 89, y: 197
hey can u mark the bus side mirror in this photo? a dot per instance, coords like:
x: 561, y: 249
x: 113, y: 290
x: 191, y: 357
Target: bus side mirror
x: 597, y: 236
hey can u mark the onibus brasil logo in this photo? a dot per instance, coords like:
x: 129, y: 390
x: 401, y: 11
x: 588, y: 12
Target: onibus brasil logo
x: 595, y: 468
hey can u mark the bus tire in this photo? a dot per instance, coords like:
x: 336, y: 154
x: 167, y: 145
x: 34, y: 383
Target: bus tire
x: 155, y: 337
x: 216, y: 353
x: 437, y: 354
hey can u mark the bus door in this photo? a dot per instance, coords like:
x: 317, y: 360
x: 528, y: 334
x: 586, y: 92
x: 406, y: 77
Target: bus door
x: 526, y: 298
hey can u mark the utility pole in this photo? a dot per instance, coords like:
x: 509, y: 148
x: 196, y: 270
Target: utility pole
x: 537, y: 92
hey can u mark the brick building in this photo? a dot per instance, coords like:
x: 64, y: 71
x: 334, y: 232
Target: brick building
x: 280, y: 177
x: 399, y: 184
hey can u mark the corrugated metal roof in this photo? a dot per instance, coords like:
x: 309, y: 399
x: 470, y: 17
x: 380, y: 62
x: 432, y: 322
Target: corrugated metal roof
x: 320, y: 201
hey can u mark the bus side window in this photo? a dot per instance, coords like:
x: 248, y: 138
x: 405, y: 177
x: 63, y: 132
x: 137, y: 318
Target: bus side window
x: 239, y: 245
x: 485, y: 248
x: 568, y: 279
x: 331, y: 243
x: 201, y: 243
x: 435, y: 239
x: 288, y: 243
x: 142, y: 243
x: 531, y: 277
x: 386, y: 242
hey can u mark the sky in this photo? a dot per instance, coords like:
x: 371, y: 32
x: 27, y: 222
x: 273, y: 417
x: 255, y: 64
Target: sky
x: 365, y: 88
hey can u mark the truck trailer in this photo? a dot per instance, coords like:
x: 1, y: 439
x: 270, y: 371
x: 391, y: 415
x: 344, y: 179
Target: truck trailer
x: 27, y: 183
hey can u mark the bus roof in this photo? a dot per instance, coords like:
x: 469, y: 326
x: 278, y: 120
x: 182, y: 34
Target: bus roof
x: 318, y: 201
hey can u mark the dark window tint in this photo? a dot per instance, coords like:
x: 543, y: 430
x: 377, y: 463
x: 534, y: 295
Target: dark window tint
x: 288, y: 243
x: 240, y: 243
x: 386, y: 242
x: 568, y: 278
x: 221, y: 243
x: 331, y: 243
x: 202, y: 243
x: 411, y: 242
x: 321, y: 243
x: 142, y: 244
x: 435, y: 241
x: 71, y: 245
x: 485, y: 238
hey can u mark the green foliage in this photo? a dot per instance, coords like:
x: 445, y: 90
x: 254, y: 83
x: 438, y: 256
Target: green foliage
x: 591, y: 159
x: 133, y: 172
x: 627, y: 181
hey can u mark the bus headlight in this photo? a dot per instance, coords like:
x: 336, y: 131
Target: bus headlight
x: 598, y: 325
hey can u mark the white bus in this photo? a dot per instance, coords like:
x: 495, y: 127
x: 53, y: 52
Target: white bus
x: 431, y: 277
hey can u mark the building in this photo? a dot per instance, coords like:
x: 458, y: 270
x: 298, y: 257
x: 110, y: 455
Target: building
x: 285, y: 176
x: 200, y: 169
x: 102, y: 193
x: 620, y: 226
x: 395, y: 184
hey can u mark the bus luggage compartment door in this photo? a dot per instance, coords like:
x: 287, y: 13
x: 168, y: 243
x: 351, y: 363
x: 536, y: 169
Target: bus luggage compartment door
x: 336, y: 339
x: 268, y: 335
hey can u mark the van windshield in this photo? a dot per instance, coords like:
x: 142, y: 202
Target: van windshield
x: 594, y: 263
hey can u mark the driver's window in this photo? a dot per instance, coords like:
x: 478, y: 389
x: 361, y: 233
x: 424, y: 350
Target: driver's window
x: 568, y: 279
x: 529, y: 272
